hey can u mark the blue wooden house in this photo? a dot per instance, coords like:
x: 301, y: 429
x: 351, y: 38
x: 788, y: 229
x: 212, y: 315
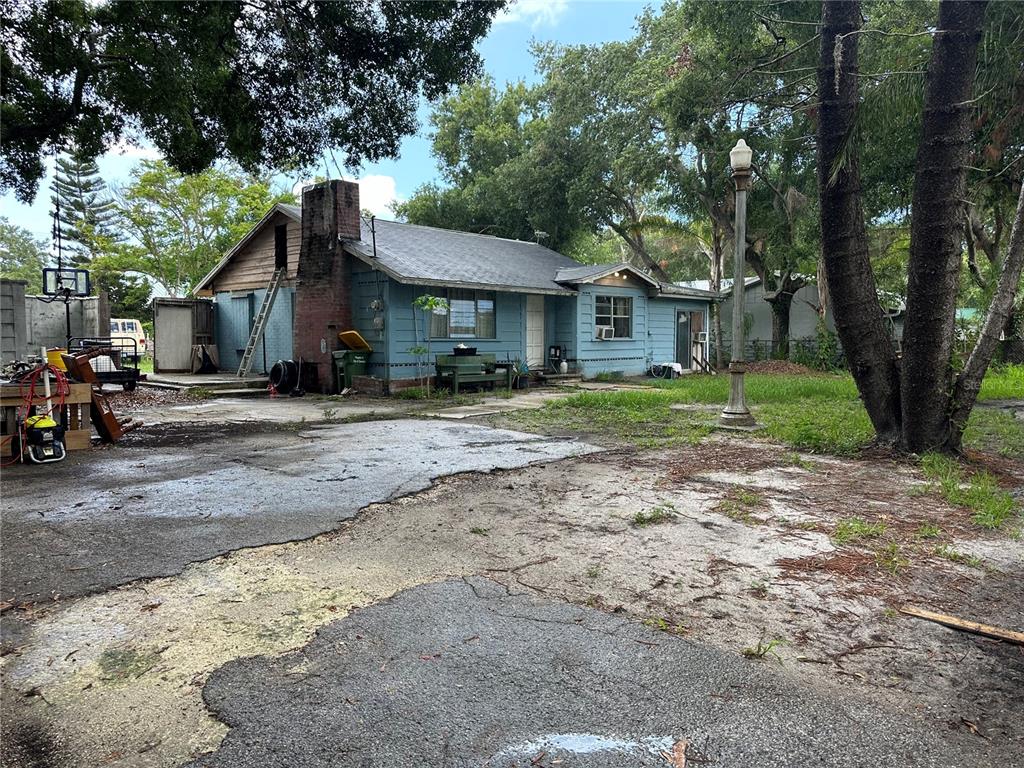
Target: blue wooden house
x: 517, y: 300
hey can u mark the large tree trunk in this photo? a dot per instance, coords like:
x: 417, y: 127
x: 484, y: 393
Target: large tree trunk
x: 858, y: 314
x: 968, y: 383
x: 781, y: 302
x: 935, y: 228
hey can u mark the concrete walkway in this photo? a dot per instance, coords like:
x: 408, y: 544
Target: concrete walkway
x: 490, y: 405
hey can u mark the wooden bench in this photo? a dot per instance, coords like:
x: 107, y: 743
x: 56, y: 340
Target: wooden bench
x: 455, y: 370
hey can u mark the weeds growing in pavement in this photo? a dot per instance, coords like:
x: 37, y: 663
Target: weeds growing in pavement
x: 765, y: 647
x: 659, y: 514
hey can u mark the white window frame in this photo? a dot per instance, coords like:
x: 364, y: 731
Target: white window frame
x: 612, y: 314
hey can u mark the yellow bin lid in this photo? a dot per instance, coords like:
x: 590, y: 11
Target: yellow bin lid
x: 354, y: 340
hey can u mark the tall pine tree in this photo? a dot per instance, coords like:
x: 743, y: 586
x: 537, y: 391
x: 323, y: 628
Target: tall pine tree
x: 88, y: 215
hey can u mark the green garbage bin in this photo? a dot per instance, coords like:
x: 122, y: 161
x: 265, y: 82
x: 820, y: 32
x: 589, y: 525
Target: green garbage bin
x: 348, y: 363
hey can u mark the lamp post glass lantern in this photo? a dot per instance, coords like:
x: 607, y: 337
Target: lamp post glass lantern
x: 736, y: 413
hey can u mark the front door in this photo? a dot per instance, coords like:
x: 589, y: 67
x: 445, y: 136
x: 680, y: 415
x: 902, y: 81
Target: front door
x: 535, y: 332
x: 683, y: 339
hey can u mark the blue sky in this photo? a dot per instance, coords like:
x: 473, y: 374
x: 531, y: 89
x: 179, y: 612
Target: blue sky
x: 506, y: 57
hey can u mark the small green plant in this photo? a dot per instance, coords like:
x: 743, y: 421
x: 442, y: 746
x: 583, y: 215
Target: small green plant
x: 748, y: 498
x: 479, y: 531
x: 854, y: 529
x: 928, y: 531
x: 199, y: 393
x: 890, y: 558
x: 663, y: 625
x: 593, y: 571
x: 610, y: 377
x: 659, y: 514
x: 765, y: 647
x: 948, y: 553
x: 330, y: 413
x: 428, y: 306
x: 759, y: 589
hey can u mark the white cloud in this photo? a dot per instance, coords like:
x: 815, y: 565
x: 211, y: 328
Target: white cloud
x: 537, y: 13
x: 124, y: 148
x: 376, y: 193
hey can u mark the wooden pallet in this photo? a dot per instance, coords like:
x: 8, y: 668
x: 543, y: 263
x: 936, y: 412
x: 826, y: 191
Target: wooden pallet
x: 75, y: 416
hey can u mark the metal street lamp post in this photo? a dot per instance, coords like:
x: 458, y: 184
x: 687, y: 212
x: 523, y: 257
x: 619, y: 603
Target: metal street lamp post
x: 736, y: 413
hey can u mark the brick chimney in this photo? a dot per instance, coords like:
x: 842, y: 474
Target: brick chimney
x: 323, y: 286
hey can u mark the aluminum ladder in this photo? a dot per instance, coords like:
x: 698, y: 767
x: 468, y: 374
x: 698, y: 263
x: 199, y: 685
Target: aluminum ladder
x: 260, y: 323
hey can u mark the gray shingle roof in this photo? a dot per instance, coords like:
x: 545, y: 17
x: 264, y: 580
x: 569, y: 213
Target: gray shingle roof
x: 425, y: 255
x: 419, y: 255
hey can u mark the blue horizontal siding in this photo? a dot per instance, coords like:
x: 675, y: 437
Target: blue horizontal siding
x: 406, y: 330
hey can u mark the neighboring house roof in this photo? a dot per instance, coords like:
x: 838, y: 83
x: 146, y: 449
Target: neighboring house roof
x: 418, y: 255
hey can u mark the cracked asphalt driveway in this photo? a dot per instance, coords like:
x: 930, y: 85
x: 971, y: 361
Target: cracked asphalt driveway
x: 463, y: 673
x: 121, y: 517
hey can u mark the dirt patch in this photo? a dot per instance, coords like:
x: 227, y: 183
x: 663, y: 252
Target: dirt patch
x: 782, y: 366
x: 123, y: 671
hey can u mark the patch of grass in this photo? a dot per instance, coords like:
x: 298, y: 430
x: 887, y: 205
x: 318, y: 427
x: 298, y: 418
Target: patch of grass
x: 765, y: 647
x: 794, y: 459
x: 928, y: 531
x: 996, y: 431
x: 659, y: 514
x: 890, y: 558
x: 198, y: 393
x: 992, y: 506
x: 479, y: 531
x: 610, y: 377
x: 593, y: 571
x: 948, y: 553
x: 738, y: 506
x: 117, y: 664
x: 1003, y: 383
x: 854, y: 529
x: 809, y: 413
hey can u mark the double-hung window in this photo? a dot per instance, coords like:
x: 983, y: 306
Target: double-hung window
x: 615, y: 312
x: 470, y: 315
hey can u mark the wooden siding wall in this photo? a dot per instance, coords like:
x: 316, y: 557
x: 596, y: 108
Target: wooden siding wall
x: 253, y: 266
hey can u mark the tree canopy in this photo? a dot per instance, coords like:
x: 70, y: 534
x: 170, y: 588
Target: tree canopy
x: 270, y: 84
x: 176, y: 227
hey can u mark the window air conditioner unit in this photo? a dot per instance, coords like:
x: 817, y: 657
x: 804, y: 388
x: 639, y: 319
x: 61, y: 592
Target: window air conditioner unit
x: 605, y: 332
x: 702, y: 337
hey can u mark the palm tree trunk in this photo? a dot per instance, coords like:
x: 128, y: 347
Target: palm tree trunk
x: 936, y: 227
x: 858, y: 314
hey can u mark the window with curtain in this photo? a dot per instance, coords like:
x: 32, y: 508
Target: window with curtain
x: 470, y: 316
x: 616, y: 312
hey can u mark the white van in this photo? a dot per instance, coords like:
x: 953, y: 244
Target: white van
x: 125, y: 329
